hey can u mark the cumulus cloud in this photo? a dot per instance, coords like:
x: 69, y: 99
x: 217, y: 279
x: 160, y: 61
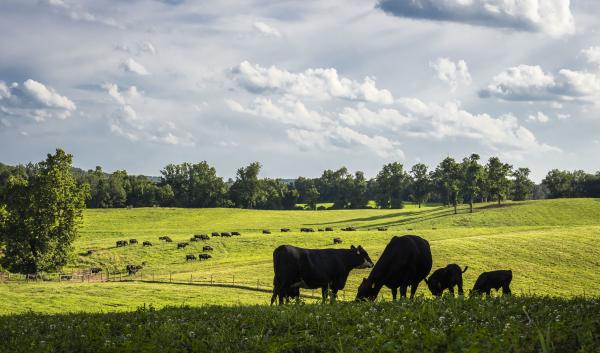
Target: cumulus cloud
x: 76, y: 13
x: 539, y: 117
x: 385, y: 118
x: 552, y: 17
x: 126, y: 120
x: 453, y: 73
x: 266, y: 30
x: 35, y: 100
x: 592, y: 55
x: 133, y: 66
x: 286, y: 111
x: 321, y: 84
x: 531, y: 83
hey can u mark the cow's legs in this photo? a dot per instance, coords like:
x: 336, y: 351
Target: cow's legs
x: 460, y: 288
x: 413, y: 289
x: 333, y: 295
x: 403, y: 288
x: 324, y: 291
x: 394, y: 293
x: 451, y: 289
x: 506, y: 290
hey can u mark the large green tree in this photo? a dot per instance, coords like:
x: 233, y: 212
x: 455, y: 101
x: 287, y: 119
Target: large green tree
x: 245, y: 191
x: 42, y: 214
x: 447, y: 176
x: 421, y: 184
x: 472, y: 174
x: 522, y: 186
x: 497, y: 177
x: 392, y: 185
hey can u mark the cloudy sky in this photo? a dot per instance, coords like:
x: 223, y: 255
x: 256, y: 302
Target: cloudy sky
x: 300, y: 86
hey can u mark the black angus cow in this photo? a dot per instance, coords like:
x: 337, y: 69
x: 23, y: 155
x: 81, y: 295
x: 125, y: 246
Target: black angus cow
x: 207, y: 248
x: 146, y: 243
x: 285, y: 230
x: 182, y: 245
x: 446, y: 278
x: 201, y: 237
x: 133, y: 241
x: 95, y: 270
x: 236, y: 233
x: 121, y: 243
x: 337, y: 240
x: 405, y: 261
x: 225, y: 234
x: 493, y: 279
x: 327, y: 269
x: 133, y: 269
x: 215, y: 234
x: 328, y: 229
x: 190, y: 257
x: 266, y: 231
x: 204, y: 256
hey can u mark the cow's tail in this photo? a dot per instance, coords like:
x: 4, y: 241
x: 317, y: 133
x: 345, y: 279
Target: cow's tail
x: 465, y: 270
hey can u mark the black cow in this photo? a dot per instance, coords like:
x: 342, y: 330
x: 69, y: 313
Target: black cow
x: 337, y: 240
x: 194, y: 239
x: 121, y: 243
x: 405, y: 261
x: 95, y: 270
x: 493, y: 279
x: 225, y: 234
x: 215, y: 234
x: 382, y: 229
x: 285, y: 230
x: 190, y: 257
x: 201, y: 237
x: 266, y: 231
x: 182, y: 245
x: 315, y: 268
x: 328, y: 229
x: 132, y: 269
x: 133, y: 241
x: 204, y: 256
x: 146, y: 243
x: 349, y: 229
x: 207, y: 248
x: 446, y: 278
x: 235, y: 233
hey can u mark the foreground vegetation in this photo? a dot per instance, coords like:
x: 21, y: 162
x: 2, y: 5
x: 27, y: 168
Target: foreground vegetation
x: 517, y: 324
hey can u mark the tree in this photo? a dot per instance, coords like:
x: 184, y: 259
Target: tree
x: 497, y: 176
x: 421, y: 184
x: 195, y: 185
x: 522, y: 186
x: 472, y: 174
x: 392, y: 185
x: 448, y: 178
x: 312, y: 197
x: 42, y: 215
x: 358, y: 191
x: 245, y: 190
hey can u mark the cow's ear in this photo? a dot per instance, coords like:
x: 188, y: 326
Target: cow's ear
x: 352, y: 247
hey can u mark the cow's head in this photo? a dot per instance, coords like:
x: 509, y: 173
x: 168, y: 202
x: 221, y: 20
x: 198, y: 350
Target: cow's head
x: 366, y: 260
x: 435, y: 286
x: 366, y: 290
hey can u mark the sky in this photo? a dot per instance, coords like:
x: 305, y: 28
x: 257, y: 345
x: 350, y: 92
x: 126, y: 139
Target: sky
x: 300, y: 86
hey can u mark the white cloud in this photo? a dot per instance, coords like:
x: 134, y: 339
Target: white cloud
x: 552, y: 17
x: 34, y: 100
x: 592, y: 55
x: 531, y: 83
x: 76, y: 13
x: 286, y: 111
x: 133, y: 66
x: 563, y: 116
x: 322, y: 84
x: 385, y: 118
x: 539, y: 117
x: 454, y: 73
x: 47, y: 96
x: 266, y: 30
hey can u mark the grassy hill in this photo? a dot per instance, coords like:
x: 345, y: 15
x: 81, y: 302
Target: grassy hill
x: 550, y: 245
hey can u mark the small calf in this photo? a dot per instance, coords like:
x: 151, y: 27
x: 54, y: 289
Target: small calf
x: 182, y: 245
x: 446, y: 278
x: 207, y: 248
x: 190, y: 257
x: 493, y: 279
x: 204, y: 257
x: 266, y: 231
x: 146, y: 243
x: 337, y: 240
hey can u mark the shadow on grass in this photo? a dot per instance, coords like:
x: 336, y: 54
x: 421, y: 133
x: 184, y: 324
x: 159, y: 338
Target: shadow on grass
x: 379, y: 217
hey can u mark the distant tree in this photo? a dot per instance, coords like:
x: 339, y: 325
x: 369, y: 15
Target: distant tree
x: 195, y: 185
x: 447, y: 176
x: 358, y: 191
x: 472, y: 175
x: 245, y: 189
x: 290, y: 198
x: 497, y: 175
x: 312, y: 197
x: 41, y: 216
x: 522, y: 186
x: 558, y: 183
x: 392, y: 185
x: 421, y: 184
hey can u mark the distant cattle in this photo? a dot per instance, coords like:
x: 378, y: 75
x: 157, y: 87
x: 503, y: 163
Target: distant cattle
x: 405, y: 261
x: 285, y: 230
x: 493, y: 280
x: 201, y: 237
x: 382, y: 229
x: 327, y: 269
x: 194, y: 239
x: 225, y: 234
x: 165, y: 239
x: 215, y: 234
x: 133, y: 241
x: 66, y: 277
x: 95, y: 270
x: 146, y: 243
x: 182, y: 245
x: 190, y: 257
x: 266, y: 231
x: 307, y: 230
x: 236, y: 233
x: 349, y: 229
x: 337, y: 240
x: 328, y: 229
x: 132, y: 269
x: 204, y: 256
x: 207, y: 248
x: 446, y: 278
x: 121, y: 243
x: 320, y: 229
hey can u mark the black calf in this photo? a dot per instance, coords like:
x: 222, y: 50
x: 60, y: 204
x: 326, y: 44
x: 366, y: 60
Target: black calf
x: 493, y: 279
x: 446, y: 278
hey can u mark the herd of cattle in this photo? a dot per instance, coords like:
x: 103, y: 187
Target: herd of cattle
x: 405, y: 262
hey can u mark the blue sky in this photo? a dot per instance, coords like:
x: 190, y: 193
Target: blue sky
x: 300, y: 86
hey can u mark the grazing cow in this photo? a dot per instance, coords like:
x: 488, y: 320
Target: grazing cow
x: 161, y: 238
x: 493, y: 279
x: 133, y: 241
x: 266, y: 231
x: 207, y: 248
x: 225, y: 234
x: 382, y: 229
x: 146, y: 243
x: 204, y: 256
x: 320, y: 230
x: 168, y: 240
x: 446, y: 278
x: 405, y: 261
x: 132, y: 269
x: 190, y: 257
x: 349, y: 229
x: 285, y: 230
x: 121, y: 243
x: 328, y: 229
x: 337, y: 240
x: 315, y: 268
x: 182, y: 245
x: 235, y: 233
x: 201, y: 237
x: 95, y: 270
x: 215, y: 234
x: 307, y: 230
x: 194, y: 239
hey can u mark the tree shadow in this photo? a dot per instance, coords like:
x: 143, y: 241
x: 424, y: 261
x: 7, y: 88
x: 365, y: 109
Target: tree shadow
x: 379, y: 217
